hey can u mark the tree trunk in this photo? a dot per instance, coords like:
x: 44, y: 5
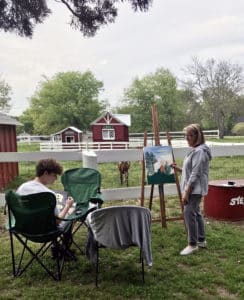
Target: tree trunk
x: 221, y: 127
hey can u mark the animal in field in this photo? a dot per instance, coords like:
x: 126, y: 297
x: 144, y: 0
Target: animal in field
x: 123, y: 167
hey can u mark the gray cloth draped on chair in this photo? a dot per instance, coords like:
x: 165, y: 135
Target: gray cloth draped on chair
x: 119, y: 227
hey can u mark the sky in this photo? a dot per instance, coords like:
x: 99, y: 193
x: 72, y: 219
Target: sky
x: 169, y: 35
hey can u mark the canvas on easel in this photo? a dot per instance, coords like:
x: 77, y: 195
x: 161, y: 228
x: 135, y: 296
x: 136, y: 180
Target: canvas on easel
x: 157, y: 163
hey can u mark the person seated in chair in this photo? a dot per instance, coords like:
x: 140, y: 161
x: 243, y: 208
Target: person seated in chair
x: 47, y: 171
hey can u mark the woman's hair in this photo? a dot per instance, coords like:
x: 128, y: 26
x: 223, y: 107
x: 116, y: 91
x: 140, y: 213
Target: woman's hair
x: 48, y: 165
x: 197, y: 131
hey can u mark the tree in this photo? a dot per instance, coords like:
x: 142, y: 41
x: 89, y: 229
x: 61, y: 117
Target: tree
x: 158, y: 88
x: 191, y: 109
x: 5, y: 91
x: 27, y: 121
x: 218, y: 85
x: 86, y: 15
x: 67, y: 99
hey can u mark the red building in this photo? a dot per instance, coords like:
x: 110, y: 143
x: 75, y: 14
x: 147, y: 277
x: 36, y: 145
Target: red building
x: 68, y: 135
x: 8, y: 143
x: 111, y: 128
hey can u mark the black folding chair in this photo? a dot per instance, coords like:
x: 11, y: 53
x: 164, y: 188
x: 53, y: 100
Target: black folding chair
x: 31, y: 222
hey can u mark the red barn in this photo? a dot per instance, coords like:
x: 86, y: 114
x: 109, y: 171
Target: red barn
x: 111, y: 128
x: 68, y: 135
x: 8, y: 143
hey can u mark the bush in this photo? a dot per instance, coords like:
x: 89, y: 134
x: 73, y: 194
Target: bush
x: 238, y: 129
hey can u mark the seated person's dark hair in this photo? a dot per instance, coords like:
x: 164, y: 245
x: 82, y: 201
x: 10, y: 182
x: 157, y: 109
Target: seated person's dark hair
x: 48, y: 165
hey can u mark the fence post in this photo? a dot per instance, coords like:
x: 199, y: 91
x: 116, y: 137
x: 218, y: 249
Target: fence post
x: 89, y: 159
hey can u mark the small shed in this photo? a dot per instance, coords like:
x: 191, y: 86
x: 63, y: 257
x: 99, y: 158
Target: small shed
x: 8, y: 143
x: 111, y: 127
x: 68, y: 135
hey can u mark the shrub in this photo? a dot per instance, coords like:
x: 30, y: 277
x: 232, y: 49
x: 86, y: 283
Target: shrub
x: 238, y: 129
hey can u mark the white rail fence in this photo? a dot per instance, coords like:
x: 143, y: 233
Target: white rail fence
x: 214, y: 133
x: 135, y: 141
x: 59, y: 146
x: 91, y: 159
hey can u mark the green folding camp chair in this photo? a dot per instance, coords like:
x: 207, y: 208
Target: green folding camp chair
x: 84, y: 185
x: 31, y: 222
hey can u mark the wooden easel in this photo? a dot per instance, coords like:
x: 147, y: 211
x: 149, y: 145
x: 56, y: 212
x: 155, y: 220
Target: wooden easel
x: 163, y: 218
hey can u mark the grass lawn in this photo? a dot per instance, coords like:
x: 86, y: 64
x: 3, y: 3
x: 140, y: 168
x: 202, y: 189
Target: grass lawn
x: 213, y: 273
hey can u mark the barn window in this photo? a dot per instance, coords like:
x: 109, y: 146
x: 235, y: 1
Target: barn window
x: 108, y: 132
x: 70, y: 139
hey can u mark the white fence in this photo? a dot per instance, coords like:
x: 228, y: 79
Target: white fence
x: 92, y: 158
x: 174, y: 134
x: 59, y: 146
x: 136, y: 140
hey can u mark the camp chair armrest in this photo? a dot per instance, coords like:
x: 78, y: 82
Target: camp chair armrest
x: 98, y: 199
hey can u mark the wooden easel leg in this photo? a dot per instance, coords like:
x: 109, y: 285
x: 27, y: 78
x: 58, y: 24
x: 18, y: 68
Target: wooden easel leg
x: 177, y: 183
x: 151, y: 197
x: 162, y: 204
x: 143, y: 172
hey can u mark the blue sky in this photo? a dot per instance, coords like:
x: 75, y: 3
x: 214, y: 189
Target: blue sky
x: 168, y: 36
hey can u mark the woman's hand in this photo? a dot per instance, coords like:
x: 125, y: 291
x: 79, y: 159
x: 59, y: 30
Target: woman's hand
x: 186, y: 195
x: 174, y: 166
x: 185, y: 199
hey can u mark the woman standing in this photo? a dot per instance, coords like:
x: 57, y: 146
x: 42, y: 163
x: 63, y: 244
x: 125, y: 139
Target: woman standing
x: 194, y: 185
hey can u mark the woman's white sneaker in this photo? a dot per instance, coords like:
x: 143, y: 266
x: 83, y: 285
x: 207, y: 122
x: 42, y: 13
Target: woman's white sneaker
x: 188, y: 250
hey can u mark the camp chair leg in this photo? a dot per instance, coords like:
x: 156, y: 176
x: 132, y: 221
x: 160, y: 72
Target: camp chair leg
x: 19, y: 272
x: 142, y: 266
x: 82, y: 252
x: 16, y: 271
x: 142, y: 270
x: 78, y: 247
x: 35, y: 256
x: 97, y: 262
x: 12, y: 253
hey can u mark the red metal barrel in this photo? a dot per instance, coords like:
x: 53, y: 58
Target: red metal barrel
x: 225, y: 200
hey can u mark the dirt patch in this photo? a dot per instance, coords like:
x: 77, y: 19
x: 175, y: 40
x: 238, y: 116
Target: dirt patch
x: 223, y: 293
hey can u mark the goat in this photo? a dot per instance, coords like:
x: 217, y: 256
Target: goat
x: 123, y: 167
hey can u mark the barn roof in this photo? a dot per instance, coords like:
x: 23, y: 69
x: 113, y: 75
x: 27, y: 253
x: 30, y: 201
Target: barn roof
x: 121, y: 118
x: 70, y: 127
x: 7, y: 120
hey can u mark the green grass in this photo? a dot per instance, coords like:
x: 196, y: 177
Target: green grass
x: 28, y: 147
x: 228, y: 139
x: 220, y: 168
x: 215, y: 273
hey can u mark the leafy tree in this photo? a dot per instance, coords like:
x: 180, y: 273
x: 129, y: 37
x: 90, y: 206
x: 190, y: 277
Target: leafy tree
x: 158, y: 88
x: 191, y: 108
x: 217, y: 84
x: 240, y: 107
x: 238, y: 129
x: 5, y: 91
x: 27, y: 121
x: 68, y: 99
x: 86, y: 15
